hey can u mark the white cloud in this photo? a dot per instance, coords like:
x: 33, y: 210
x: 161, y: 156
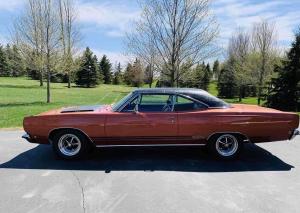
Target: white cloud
x: 114, y: 19
x: 236, y: 13
x: 10, y: 5
x: 114, y: 57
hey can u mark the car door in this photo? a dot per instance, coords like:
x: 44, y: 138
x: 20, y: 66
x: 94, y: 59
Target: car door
x: 193, y: 119
x: 148, y: 119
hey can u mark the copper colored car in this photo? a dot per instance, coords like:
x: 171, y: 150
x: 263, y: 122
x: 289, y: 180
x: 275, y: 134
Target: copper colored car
x: 161, y: 117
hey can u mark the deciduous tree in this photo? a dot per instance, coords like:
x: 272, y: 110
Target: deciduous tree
x: 264, y: 43
x: 69, y: 36
x: 3, y: 63
x: 178, y: 31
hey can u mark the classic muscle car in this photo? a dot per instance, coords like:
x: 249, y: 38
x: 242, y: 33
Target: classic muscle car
x: 161, y: 117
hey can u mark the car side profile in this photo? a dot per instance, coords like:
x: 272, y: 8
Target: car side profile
x: 161, y: 117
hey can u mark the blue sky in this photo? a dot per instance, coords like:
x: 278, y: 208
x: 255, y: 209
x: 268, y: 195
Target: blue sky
x: 103, y: 23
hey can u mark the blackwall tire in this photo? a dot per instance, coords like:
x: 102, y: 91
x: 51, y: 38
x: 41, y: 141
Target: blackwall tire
x: 70, y: 145
x: 225, y: 146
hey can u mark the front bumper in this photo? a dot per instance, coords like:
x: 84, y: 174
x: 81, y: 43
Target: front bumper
x: 295, y: 133
x: 28, y: 138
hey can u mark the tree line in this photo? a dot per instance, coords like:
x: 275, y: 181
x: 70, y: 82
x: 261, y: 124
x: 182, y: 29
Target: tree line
x: 255, y: 67
x: 170, y: 43
x: 93, y: 72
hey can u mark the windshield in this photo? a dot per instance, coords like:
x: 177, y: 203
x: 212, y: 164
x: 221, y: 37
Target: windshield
x: 116, y: 106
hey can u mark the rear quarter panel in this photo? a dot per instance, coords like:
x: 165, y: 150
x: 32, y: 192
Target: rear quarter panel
x: 258, y: 127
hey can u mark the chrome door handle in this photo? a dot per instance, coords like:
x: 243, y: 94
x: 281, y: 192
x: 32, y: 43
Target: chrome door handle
x: 172, y: 119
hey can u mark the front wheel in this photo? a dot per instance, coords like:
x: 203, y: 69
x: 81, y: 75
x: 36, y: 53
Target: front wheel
x: 70, y: 145
x: 225, y: 146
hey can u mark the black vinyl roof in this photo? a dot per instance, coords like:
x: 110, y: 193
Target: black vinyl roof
x: 197, y: 94
x: 169, y: 90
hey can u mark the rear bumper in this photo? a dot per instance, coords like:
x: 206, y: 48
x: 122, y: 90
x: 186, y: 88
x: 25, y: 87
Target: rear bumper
x: 295, y: 133
x: 28, y: 138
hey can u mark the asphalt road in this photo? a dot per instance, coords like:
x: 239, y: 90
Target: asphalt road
x: 265, y: 179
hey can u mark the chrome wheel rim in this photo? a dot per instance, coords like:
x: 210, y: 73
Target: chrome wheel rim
x: 69, y: 145
x: 227, y: 145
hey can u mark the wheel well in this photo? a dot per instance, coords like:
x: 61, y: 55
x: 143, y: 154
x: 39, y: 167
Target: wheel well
x: 53, y: 132
x: 241, y: 136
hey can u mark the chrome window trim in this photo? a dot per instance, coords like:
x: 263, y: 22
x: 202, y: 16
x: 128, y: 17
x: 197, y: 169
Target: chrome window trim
x: 135, y: 94
x: 127, y: 102
x: 192, y: 99
x: 169, y: 94
x: 139, y: 95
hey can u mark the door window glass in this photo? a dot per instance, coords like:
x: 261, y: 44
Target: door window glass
x: 155, y: 103
x: 185, y: 104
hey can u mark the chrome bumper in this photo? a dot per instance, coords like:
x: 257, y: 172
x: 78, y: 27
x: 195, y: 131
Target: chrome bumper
x: 28, y: 138
x: 295, y: 133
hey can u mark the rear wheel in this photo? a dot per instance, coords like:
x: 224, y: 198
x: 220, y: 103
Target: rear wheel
x: 69, y: 144
x: 225, y: 146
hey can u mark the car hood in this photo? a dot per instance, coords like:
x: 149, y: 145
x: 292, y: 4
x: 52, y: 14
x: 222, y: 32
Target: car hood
x: 79, y: 109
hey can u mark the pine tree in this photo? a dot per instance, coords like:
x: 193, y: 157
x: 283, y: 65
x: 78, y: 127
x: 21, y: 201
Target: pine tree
x: 137, y: 74
x: 105, y: 70
x: 285, y: 90
x: 227, y: 87
x: 3, y: 63
x: 198, y: 73
x: 216, y: 70
x: 117, y: 79
x: 128, y: 74
x: 206, y: 77
x: 15, y: 61
x: 87, y: 75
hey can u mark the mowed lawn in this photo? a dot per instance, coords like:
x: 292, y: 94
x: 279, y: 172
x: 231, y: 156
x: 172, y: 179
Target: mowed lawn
x: 21, y: 97
x: 212, y: 89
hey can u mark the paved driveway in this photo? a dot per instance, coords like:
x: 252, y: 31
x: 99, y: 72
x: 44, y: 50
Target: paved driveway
x: 265, y: 179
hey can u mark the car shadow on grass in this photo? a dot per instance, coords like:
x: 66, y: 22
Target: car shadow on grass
x: 184, y: 159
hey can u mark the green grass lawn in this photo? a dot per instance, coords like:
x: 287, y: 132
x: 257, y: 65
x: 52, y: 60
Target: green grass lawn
x: 214, y: 91
x: 20, y: 97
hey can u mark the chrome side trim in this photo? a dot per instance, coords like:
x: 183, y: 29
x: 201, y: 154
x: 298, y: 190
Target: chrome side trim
x: 148, y: 145
x: 246, y: 140
x: 69, y: 128
x: 294, y: 133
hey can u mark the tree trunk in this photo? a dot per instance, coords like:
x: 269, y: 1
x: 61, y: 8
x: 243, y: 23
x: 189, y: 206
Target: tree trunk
x: 41, y: 79
x: 48, y: 77
x: 172, y: 79
x: 259, y: 95
x: 261, y: 78
x: 69, y: 80
x: 240, y: 94
x: 48, y: 86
